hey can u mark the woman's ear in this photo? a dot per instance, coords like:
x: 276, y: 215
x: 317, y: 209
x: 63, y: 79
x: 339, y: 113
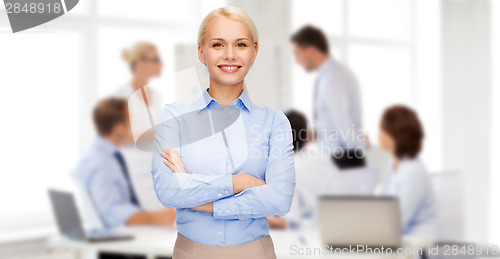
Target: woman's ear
x: 256, y: 49
x: 200, y: 55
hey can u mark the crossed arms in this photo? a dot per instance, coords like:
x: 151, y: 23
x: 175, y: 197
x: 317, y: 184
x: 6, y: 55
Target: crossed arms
x: 226, y: 196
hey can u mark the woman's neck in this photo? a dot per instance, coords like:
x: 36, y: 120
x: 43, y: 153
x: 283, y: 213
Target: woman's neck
x: 225, y: 94
x: 139, y: 82
x: 395, y: 165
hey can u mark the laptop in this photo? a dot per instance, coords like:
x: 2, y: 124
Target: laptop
x: 70, y: 225
x: 370, y: 221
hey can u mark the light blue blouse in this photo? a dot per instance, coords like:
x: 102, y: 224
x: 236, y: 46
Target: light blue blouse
x: 412, y: 185
x: 216, y: 142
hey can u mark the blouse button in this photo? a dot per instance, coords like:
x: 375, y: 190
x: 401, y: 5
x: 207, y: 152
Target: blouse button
x: 219, y: 211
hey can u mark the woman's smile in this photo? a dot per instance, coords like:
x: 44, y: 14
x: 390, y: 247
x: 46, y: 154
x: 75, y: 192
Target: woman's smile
x: 229, y: 68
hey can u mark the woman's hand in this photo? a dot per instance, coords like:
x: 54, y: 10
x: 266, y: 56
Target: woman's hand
x: 276, y: 221
x: 207, y: 207
x: 173, y: 160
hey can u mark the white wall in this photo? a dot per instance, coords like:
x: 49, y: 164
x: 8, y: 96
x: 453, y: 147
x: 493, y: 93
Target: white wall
x: 495, y: 119
x: 269, y: 80
x: 466, y: 105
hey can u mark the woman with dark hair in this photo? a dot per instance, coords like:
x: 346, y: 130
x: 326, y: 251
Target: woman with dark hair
x: 300, y: 131
x: 401, y: 134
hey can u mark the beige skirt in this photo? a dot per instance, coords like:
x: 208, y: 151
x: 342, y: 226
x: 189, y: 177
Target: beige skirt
x: 260, y: 248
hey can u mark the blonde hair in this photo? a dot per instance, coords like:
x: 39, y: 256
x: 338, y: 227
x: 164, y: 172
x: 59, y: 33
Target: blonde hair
x: 231, y: 12
x: 136, y: 52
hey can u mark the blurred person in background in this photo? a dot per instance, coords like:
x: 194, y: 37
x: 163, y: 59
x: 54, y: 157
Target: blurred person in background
x: 105, y: 176
x: 144, y: 104
x: 401, y: 134
x: 144, y: 63
x: 337, y: 102
x: 312, y: 168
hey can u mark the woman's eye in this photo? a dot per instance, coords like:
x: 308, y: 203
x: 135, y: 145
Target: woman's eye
x: 217, y: 45
x: 241, y: 45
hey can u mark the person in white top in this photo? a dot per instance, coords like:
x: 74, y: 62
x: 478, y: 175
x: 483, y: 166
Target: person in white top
x: 309, y: 169
x: 312, y: 166
x: 145, y: 64
x: 144, y: 103
x: 337, y: 102
x: 407, y: 178
x: 316, y: 175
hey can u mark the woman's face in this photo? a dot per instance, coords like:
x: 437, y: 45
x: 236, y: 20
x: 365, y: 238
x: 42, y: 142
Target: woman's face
x: 228, y: 51
x: 385, y: 140
x: 150, y: 65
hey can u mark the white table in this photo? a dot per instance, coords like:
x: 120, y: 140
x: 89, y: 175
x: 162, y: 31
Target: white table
x: 150, y: 241
x: 156, y: 242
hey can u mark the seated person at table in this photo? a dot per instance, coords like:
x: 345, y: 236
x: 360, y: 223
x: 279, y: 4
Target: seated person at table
x: 104, y: 174
x: 312, y: 165
x: 401, y: 134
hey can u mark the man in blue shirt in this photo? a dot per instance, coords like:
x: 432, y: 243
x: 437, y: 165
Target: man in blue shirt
x: 337, y: 101
x: 104, y: 174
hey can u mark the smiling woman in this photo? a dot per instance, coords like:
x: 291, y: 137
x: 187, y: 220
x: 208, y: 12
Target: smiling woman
x: 225, y: 184
x: 230, y: 39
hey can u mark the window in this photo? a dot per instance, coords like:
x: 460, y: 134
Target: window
x: 383, y: 72
x: 381, y: 19
x: 152, y: 10
x: 40, y: 128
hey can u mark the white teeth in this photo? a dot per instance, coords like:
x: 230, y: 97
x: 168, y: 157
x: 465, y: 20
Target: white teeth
x: 230, y: 67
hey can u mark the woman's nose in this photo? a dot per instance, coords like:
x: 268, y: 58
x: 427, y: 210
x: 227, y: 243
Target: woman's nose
x: 229, y: 54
